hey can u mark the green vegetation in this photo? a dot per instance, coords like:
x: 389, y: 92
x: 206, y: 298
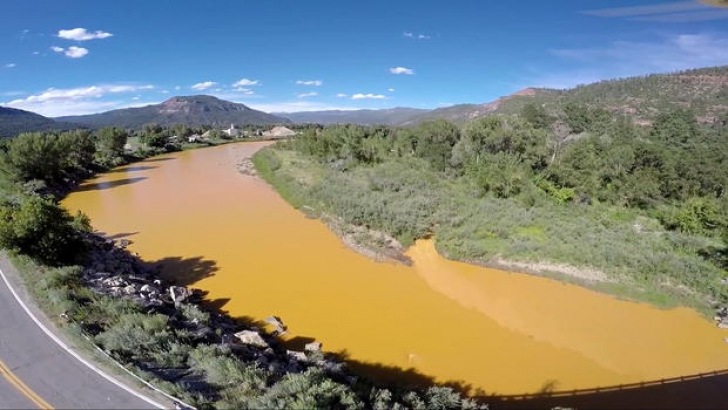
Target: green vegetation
x: 645, y: 206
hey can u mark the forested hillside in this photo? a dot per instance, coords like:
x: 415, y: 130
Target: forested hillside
x: 703, y: 91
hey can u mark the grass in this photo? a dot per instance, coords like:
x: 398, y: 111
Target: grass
x: 406, y: 200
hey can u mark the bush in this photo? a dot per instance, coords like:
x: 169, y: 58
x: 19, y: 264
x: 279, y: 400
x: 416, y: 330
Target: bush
x: 40, y: 229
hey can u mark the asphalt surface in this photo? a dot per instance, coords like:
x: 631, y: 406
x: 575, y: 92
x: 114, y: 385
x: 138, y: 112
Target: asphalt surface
x: 48, y: 371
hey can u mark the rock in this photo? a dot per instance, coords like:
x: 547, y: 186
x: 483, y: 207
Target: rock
x: 178, y: 294
x: 724, y: 281
x: 312, y: 347
x: 130, y: 290
x: 723, y: 325
x: 115, y: 281
x: 300, y: 356
x: 148, y: 289
x: 251, y: 337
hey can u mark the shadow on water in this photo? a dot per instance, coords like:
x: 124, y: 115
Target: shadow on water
x: 160, y: 159
x: 700, y: 391
x: 184, y: 271
x: 131, y: 169
x: 122, y: 235
x: 109, y: 184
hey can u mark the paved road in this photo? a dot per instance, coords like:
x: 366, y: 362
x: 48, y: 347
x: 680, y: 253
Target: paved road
x: 36, y: 372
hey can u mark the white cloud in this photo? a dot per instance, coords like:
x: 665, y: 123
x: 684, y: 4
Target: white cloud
x: 71, y: 52
x: 416, y: 36
x: 368, y: 97
x: 391, y: 90
x: 203, y: 85
x: 341, y: 95
x: 35, y: 53
x: 76, y: 101
x: 315, y: 83
x: 631, y: 58
x: 164, y: 91
x: 10, y: 65
x: 81, y: 34
x: 244, y: 90
x: 296, y: 106
x: 176, y: 87
x: 401, y: 70
x: 311, y: 94
x: 244, y: 82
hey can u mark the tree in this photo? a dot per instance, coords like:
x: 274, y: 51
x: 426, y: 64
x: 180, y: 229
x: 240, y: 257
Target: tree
x: 676, y: 128
x: 39, y: 228
x: 37, y: 156
x: 536, y: 115
x: 577, y: 117
x: 81, y: 147
x: 435, y: 140
x: 111, y: 142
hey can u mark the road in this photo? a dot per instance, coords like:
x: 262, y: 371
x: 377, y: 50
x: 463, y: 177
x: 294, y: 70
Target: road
x: 35, y: 372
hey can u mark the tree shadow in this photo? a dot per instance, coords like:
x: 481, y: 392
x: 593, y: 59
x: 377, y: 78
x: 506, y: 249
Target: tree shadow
x: 109, y: 184
x: 132, y: 168
x: 184, y: 271
x: 159, y: 159
x: 705, y: 391
x: 122, y: 235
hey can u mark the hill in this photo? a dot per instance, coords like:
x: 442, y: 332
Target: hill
x: 189, y: 110
x: 14, y: 121
x: 390, y: 116
x: 704, y: 91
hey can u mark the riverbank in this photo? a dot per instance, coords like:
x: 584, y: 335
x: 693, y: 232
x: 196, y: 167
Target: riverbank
x: 607, y: 249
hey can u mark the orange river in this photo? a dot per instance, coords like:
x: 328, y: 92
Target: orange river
x: 504, y: 333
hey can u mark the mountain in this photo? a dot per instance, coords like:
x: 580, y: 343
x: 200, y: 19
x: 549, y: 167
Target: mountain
x: 390, y: 116
x: 189, y: 110
x: 460, y: 113
x: 14, y: 121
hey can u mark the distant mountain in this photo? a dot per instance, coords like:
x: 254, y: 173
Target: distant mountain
x: 14, y: 121
x: 390, y: 116
x: 462, y: 113
x: 189, y: 110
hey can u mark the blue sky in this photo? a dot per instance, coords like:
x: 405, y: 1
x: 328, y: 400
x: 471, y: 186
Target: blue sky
x: 78, y: 57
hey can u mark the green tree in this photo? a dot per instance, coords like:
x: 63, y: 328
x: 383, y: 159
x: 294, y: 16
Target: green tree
x: 38, y: 228
x: 536, y: 115
x: 111, y: 141
x: 81, y: 148
x: 37, y: 156
x: 435, y: 141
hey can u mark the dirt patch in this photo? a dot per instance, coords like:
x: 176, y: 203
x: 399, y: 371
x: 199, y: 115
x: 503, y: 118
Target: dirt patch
x: 582, y: 273
x: 371, y: 243
x: 246, y: 167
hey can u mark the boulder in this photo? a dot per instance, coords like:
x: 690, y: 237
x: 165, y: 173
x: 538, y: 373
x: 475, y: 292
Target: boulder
x: 299, y: 356
x: 178, y: 294
x: 312, y: 347
x: 149, y: 289
x: 251, y: 337
x: 130, y: 289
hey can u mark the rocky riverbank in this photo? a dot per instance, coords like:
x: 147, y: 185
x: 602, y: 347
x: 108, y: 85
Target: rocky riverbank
x: 113, y: 271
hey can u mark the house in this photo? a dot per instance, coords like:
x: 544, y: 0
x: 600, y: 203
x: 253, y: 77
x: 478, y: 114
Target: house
x: 280, y: 132
x: 232, y: 131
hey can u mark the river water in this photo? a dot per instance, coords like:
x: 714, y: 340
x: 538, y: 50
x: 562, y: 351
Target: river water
x: 501, y: 332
